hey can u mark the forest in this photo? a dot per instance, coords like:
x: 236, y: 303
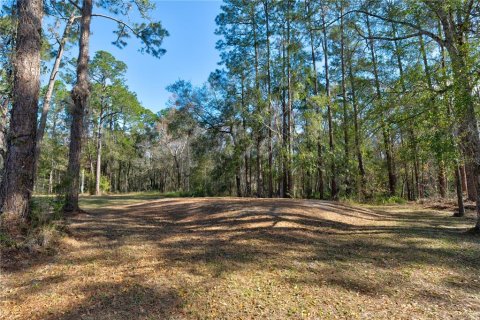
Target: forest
x: 344, y: 101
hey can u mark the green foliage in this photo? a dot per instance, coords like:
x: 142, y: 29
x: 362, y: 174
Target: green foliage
x: 386, y: 200
x: 45, y: 210
x: 6, y: 241
x: 105, y: 184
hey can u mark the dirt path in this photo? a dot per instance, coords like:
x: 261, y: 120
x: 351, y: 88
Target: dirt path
x: 215, y: 258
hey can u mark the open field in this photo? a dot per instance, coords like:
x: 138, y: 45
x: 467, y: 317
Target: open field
x: 137, y: 257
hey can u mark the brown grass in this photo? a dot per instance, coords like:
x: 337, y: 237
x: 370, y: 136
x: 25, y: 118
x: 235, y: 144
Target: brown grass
x: 228, y: 258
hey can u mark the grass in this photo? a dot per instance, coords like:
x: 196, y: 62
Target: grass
x: 140, y: 256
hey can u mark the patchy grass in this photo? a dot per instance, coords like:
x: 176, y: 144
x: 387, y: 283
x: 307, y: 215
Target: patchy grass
x: 132, y: 257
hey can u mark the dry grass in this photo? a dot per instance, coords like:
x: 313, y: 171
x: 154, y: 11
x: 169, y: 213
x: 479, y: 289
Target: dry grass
x: 228, y: 258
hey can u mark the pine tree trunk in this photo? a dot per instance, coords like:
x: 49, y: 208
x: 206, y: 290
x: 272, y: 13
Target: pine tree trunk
x: 348, y: 187
x: 98, y: 171
x: 441, y: 176
x: 441, y: 179
x: 80, y: 95
x: 320, y: 184
x: 269, y: 98
x: 284, y: 188
x: 3, y: 134
x: 51, y: 85
x: 358, y: 141
x: 458, y: 186
x: 18, y: 181
x: 333, y: 181
x: 392, y: 179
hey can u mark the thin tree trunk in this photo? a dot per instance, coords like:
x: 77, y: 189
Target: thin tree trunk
x: 358, y: 140
x: 348, y: 187
x: 269, y: 98
x: 80, y: 95
x: 458, y: 186
x: 98, y: 171
x: 441, y: 176
x: 290, y: 183
x: 284, y: 189
x: 51, y: 85
x: 259, y: 135
x: 50, y: 181
x: 333, y: 181
x: 18, y: 181
x: 385, y: 132
x: 248, y: 186
x: 82, y: 184
x: 320, y: 184
x: 463, y: 174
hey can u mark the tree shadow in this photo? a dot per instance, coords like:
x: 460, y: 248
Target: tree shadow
x: 123, y: 301
x: 216, y: 237
x: 232, y: 232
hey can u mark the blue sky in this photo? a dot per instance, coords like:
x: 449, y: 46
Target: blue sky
x: 191, y: 53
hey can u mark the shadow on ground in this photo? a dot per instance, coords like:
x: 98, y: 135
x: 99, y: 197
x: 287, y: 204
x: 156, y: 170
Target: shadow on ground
x: 173, y: 251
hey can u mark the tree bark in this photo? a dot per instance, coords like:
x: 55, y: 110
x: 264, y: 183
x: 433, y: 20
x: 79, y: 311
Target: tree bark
x: 458, y: 186
x: 3, y: 134
x: 80, y: 95
x: 18, y: 181
x: 471, y: 187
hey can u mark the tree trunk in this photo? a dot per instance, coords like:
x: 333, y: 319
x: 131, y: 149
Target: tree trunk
x: 333, y: 181
x: 348, y: 187
x: 51, y: 85
x: 392, y: 179
x: 248, y: 186
x: 269, y: 98
x: 441, y: 179
x: 3, y: 134
x: 456, y: 45
x: 463, y: 175
x: 458, y: 185
x: 82, y: 183
x: 358, y: 141
x: 290, y: 192
x: 441, y: 176
x: 471, y: 187
x: 18, y: 181
x: 98, y: 171
x: 80, y: 95
x: 320, y: 184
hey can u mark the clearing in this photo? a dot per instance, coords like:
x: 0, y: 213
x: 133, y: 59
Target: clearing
x: 136, y: 257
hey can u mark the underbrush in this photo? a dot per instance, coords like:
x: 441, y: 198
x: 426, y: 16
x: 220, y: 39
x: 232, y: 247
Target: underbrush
x: 184, y: 194
x: 43, y: 230
x: 383, y: 200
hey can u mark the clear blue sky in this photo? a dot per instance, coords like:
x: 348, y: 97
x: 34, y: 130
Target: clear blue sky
x: 191, y: 53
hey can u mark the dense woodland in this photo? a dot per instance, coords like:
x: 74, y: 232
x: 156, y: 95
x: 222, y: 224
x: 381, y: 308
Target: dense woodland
x: 332, y: 100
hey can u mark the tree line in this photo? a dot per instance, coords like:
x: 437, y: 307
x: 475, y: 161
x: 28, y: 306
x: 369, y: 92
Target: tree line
x: 315, y: 99
x: 97, y: 95
x: 338, y: 99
